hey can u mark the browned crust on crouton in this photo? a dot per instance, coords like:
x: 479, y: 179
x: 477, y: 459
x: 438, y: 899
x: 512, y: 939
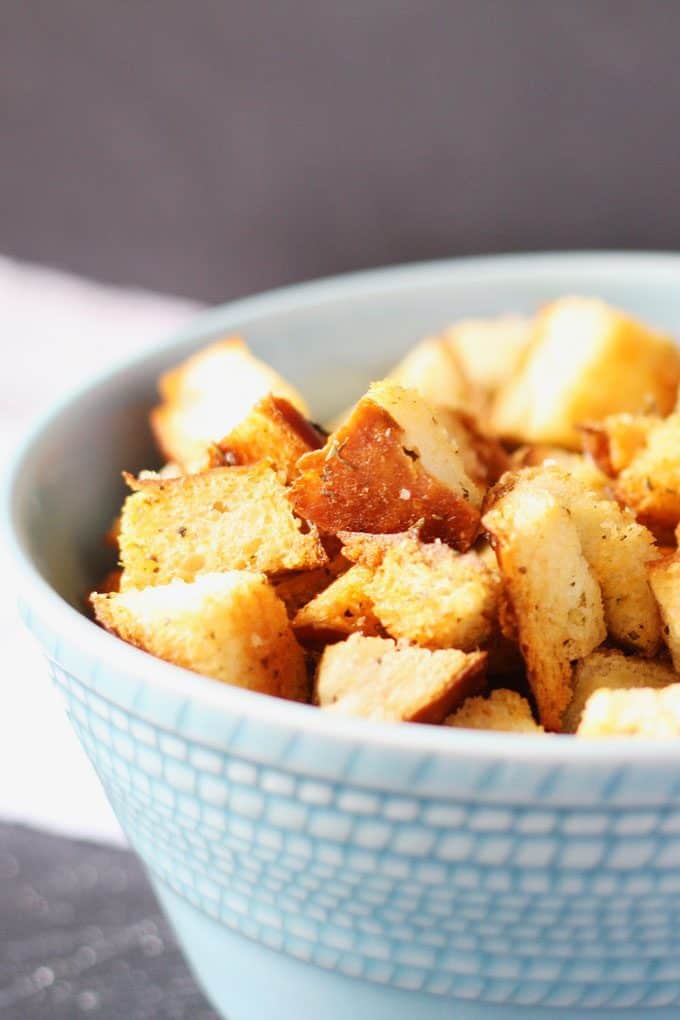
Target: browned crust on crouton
x: 484, y: 457
x: 275, y: 430
x: 614, y: 442
x: 366, y: 479
x: 230, y: 518
x: 377, y: 678
x: 297, y: 588
x: 229, y: 626
x: 344, y: 607
x: 555, y: 599
x: 664, y: 577
x: 611, y: 669
x: 503, y: 710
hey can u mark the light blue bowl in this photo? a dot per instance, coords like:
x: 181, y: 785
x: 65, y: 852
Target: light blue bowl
x: 320, y: 867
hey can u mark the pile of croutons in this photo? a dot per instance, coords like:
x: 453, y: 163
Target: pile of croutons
x: 486, y: 539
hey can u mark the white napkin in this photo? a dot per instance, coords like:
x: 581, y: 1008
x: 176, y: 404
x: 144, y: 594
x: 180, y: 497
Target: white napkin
x: 55, y: 331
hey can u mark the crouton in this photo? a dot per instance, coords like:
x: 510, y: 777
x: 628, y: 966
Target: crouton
x: 110, y: 582
x: 616, y: 440
x: 299, y: 587
x: 654, y: 714
x: 430, y: 595
x: 379, y: 679
x: 204, y: 459
x: 230, y: 626
x: 664, y: 577
x: 611, y: 669
x: 650, y: 484
x: 554, y: 595
x: 484, y: 458
x: 230, y: 518
x: 585, y: 361
x: 433, y: 369
x: 210, y: 393
x: 112, y: 536
x: 342, y: 608
x: 489, y: 350
x: 390, y: 467
x: 273, y: 430
x: 503, y: 710
x: 582, y: 468
x: 617, y: 549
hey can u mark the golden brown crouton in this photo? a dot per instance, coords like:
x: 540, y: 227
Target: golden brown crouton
x: 585, y: 361
x: 342, y: 608
x: 273, y: 430
x: 490, y: 350
x: 654, y: 714
x: 650, y: 484
x: 484, y: 458
x: 433, y: 369
x: 390, y: 467
x: 579, y: 466
x: 617, y: 549
x: 225, y: 519
x: 297, y: 588
x: 210, y: 393
x: 430, y: 595
x: 611, y: 669
x: 110, y: 582
x: 617, y: 439
x: 229, y: 626
x: 113, y: 534
x: 664, y: 577
x: 379, y: 679
x: 503, y: 710
x: 554, y: 595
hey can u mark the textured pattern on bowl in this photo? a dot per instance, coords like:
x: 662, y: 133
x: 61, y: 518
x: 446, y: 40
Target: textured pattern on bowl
x: 452, y: 867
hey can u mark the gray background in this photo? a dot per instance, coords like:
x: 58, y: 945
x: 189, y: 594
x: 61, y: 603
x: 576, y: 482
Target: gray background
x: 212, y: 148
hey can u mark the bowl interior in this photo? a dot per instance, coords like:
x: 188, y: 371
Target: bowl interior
x: 329, y: 338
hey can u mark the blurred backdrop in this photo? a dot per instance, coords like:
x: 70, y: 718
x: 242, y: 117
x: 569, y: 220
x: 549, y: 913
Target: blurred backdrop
x: 212, y: 148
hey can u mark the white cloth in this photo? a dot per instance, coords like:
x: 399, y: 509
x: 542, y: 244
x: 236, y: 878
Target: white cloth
x: 55, y: 331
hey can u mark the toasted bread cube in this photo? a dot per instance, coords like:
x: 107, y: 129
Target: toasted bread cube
x: 484, y: 458
x: 343, y: 608
x: 553, y: 592
x: 585, y: 361
x: 230, y: 518
x: 654, y: 714
x: 231, y: 627
x: 611, y: 669
x: 614, y: 442
x: 617, y: 549
x: 430, y: 595
x: 110, y: 582
x: 490, y: 350
x: 112, y: 536
x: 433, y: 369
x: 650, y: 484
x: 664, y: 577
x: 210, y: 393
x: 273, y: 430
x: 579, y: 466
x: 390, y: 467
x: 379, y: 679
x: 298, y: 588
x: 503, y: 710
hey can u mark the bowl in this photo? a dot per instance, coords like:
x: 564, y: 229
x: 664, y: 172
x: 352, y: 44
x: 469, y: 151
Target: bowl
x: 319, y: 866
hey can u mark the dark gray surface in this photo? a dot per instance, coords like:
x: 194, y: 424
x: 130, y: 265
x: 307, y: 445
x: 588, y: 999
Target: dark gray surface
x: 81, y: 936
x: 213, y: 148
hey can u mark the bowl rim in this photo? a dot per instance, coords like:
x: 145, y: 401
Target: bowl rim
x: 75, y: 628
